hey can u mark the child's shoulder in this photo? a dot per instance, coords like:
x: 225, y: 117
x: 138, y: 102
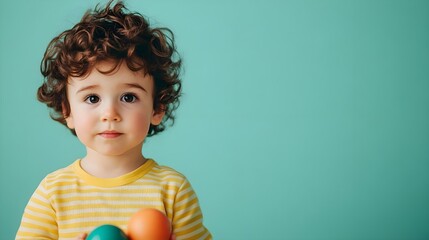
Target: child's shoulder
x: 166, y: 173
x: 61, y: 173
x: 59, y: 177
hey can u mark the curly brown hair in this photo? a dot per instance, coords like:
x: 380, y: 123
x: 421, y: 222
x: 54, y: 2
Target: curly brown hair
x: 112, y: 33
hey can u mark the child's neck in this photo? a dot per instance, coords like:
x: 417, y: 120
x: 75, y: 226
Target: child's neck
x: 103, y: 166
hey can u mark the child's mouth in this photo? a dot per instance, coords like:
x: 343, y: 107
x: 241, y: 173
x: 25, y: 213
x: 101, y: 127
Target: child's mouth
x: 110, y: 134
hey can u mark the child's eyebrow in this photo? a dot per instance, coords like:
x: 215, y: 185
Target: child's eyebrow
x: 134, y: 85
x: 90, y: 87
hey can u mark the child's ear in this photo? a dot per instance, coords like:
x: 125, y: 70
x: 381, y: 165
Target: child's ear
x: 157, y: 117
x: 69, y: 121
x: 68, y: 117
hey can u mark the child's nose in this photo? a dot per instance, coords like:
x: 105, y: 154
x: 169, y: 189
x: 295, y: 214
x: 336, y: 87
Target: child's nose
x: 111, y: 114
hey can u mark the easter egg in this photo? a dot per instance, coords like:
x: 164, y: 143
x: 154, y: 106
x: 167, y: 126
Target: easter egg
x: 149, y: 224
x: 107, y: 232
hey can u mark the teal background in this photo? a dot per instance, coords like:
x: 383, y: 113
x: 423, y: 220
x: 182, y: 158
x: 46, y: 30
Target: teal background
x: 299, y: 119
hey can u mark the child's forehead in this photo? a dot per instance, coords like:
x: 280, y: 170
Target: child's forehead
x: 111, y: 68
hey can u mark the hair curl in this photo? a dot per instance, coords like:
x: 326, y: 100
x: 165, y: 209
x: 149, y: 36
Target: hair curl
x: 112, y: 33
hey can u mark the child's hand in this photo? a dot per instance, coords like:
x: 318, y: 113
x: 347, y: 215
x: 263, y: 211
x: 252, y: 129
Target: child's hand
x: 82, y: 236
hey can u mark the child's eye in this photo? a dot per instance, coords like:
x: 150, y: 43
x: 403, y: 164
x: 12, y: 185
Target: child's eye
x: 129, y: 98
x: 92, y: 99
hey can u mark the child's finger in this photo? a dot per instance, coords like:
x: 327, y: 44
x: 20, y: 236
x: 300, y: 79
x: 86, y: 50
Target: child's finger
x: 173, y: 237
x: 82, y: 236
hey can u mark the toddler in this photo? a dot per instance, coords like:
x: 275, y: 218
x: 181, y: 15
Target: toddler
x: 113, y: 80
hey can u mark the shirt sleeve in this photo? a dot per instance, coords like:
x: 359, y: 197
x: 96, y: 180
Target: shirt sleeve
x: 188, y: 218
x: 38, y: 220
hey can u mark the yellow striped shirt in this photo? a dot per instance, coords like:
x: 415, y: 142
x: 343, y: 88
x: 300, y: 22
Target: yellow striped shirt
x: 69, y: 202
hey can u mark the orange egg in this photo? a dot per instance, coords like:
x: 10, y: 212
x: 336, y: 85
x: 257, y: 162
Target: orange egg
x: 149, y: 224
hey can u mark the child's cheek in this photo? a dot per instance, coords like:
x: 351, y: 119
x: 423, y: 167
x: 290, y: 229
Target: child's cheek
x: 140, y: 123
x: 85, y: 126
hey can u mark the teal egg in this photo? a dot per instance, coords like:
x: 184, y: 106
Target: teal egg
x: 107, y: 232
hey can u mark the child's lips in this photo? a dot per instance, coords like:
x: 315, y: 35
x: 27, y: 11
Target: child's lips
x: 110, y: 134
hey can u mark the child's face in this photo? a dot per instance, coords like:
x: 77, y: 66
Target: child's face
x: 111, y: 113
